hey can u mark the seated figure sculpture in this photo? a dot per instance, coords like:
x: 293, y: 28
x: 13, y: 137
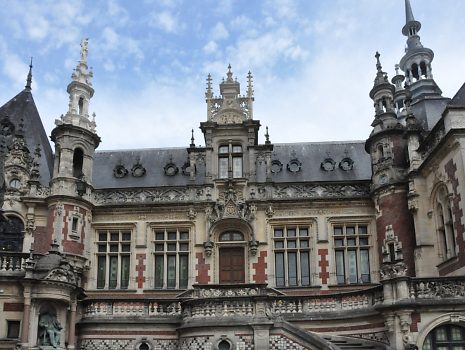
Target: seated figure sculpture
x: 49, y: 330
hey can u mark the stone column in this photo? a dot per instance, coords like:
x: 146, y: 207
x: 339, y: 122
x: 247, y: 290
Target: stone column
x: 26, y: 317
x: 261, y: 336
x: 72, y: 327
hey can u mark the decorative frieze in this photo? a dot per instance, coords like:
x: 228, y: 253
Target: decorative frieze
x: 438, y: 289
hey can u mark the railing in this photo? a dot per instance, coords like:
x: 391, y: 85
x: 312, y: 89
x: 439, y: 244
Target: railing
x: 437, y: 288
x: 218, y: 301
x: 12, y: 261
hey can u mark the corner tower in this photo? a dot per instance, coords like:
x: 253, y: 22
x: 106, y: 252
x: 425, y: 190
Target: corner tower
x: 75, y: 141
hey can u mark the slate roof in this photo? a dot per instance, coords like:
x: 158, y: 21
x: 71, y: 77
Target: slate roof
x: 309, y: 155
x: 22, y: 108
x: 459, y: 99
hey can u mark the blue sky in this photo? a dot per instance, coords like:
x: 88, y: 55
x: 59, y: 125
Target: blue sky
x: 313, y: 61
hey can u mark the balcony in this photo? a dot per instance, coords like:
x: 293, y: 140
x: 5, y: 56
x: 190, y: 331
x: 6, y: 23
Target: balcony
x: 12, y: 263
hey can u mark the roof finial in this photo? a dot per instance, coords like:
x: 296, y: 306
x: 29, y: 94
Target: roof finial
x: 378, y: 62
x: 408, y: 12
x: 29, y: 77
x: 84, y: 50
x: 267, y: 137
x: 229, y: 74
x: 192, y: 145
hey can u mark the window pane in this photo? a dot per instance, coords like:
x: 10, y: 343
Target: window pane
x: 160, y: 236
x: 125, y: 247
x: 305, y: 268
x: 124, y: 271
x: 339, y: 242
x: 351, y: 242
x: 456, y: 333
x: 363, y: 241
x: 223, y: 168
x: 223, y: 149
x: 427, y: 343
x: 279, y: 244
x: 171, y: 236
x: 13, y: 329
x: 338, y: 231
x: 340, y: 268
x: 350, y: 230
x: 362, y: 230
x: 101, y: 271
x: 278, y: 232
x: 352, y: 266
x: 171, y: 271
x: 183, y: 236
x: 279, y: 269
x: 172, y: 247
x: 365, y: 265
x: 237, y: 167
x: 291, y: 232
x: 237, y: 149
x: 291, y: 244
x: 183, y: 271
x: 114, y: 236
x: 102, y: 237
x: 113, y: 272
x: 159, y: 271
x: 113, y: 247
x: 303, y: 243
x: 292, y: 268
x: 159, y: 247
x: 441, y: 334
x: 102, y: 248
x: 126, y: 236
x: 183, y: 247
x: 303, y: 232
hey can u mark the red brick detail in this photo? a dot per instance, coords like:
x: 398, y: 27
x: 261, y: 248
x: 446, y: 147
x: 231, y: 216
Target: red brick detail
x: 140, y: 268
x: 13, y: 307
x: 42, y: 240
x: 70, y: 245
x: 394, y: 211
x: 416, y: 319
x: 260, y: 268
x: 323, y: 264
x: 457, y: 214
x: 202, y: 269
x: 347, y: 328
x: 88, y: 332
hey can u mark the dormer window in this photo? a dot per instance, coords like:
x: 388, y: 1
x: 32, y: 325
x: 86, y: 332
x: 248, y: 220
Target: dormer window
x: 230, y: 161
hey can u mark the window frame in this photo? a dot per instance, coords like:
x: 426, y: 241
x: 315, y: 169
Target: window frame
x: 230, y: 160
x: 290, y: 256
x: 431, y: 342
x: 173, y: 255
x: 349, y: 251
x: 445, y: 228
x: 113, y: 266
x: 10, y: 330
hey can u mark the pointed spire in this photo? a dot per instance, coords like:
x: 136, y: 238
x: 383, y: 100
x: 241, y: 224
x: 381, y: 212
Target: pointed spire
x: 249, y: 84
x: 378, y: 62
x: 411, y: 27
x: 229, y: 74
x: 267, y: 137
x: 29, y: 77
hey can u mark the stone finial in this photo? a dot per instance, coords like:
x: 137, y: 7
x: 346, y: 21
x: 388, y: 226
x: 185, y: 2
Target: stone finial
x: 29, y: 77
x: 84, y: 49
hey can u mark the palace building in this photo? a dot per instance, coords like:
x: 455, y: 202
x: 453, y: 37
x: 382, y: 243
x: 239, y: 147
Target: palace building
x: 236, y: 244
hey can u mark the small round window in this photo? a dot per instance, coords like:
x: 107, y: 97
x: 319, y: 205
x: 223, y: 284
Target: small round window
x: 224, y: 345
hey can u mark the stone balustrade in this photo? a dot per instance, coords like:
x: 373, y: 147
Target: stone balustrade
x: 12, y: 262
x: 437, y: 288
x: 245, y: 301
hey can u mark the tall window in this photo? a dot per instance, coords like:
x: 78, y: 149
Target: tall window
x: 352, y: 253
x: 230, y: 161
x: 11, y: 234
x: 78, y: 160
x: 445, y: 225
x: 292, y: 256
x: 171, y: 258
x: 445, y: 337
x: 113, y: 258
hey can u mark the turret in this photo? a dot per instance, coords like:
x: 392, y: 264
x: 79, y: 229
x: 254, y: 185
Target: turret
x: 75, y: 141
x: 387, y: 147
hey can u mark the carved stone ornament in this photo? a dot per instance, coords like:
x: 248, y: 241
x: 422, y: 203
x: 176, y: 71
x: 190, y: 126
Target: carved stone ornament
x: 346, y: 164
x: 64, y: 273
x: 294, y: 165
x: 138, y: 170
x: 230, y: 206
x: 170, y: 169
x: 393, y: 270
x: 391, y: 244
x: 186, y: 169
x: 328, y: 164
x: 191, y: 214
x: 269, y: 212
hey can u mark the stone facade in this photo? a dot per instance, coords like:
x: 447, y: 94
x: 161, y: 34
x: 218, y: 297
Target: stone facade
x: 237, y: 245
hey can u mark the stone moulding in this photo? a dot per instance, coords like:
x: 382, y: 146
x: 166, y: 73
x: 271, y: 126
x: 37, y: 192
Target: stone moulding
x: 265, y: 192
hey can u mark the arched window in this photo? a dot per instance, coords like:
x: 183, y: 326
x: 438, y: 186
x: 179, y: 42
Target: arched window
x: 447, y: 337
x: 78, y: 159
x: 81, y: 105
x: 423, y: 69
x: 445, y: 225
x: 231, y: 236
x: 11, y: 234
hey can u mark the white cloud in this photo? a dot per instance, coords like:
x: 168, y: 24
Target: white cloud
x: 219, y: 32
x: 210, y: 47
x: 166, y: 21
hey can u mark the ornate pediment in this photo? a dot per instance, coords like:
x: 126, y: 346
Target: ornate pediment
x: 230, y: 205
x: 63, y: 273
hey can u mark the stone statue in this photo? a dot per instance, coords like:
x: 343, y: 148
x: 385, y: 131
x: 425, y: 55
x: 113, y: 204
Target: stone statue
x: 49, y: 330
x: 84, y: 49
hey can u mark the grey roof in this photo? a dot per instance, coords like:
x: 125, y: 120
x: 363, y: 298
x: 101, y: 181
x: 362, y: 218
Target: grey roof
x: 22, y: 109
x: 459, y: 99
x: 309, y: 155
